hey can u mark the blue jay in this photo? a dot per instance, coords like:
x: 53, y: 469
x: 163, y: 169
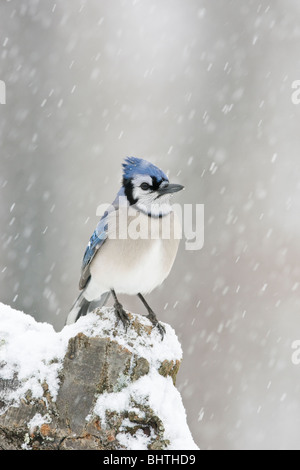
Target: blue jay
x: 119, y: 263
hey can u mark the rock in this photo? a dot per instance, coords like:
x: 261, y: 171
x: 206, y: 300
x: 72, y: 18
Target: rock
x: 102, y: 388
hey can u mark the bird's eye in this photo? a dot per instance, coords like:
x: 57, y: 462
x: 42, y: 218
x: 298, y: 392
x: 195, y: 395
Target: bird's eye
x: 145, y: 186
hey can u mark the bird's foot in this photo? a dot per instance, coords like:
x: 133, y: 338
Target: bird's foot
x: 156, y: 323
x: 121, y: 315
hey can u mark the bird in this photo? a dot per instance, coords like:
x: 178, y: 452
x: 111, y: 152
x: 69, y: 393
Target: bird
x: 119, y: 261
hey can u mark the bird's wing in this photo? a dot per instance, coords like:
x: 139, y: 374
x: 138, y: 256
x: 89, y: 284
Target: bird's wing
x: 96, y: 241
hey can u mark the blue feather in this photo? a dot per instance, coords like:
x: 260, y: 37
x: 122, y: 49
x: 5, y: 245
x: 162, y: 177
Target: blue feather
x: 96, y: 240
x: 100, y: 234
x: 136, y: 166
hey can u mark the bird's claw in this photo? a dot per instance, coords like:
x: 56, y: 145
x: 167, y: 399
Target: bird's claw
x: 156, y: 323
x: 122, y: 315
x: 161, y: 329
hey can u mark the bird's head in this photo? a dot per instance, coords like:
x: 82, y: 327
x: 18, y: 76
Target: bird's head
x: 147, y: 187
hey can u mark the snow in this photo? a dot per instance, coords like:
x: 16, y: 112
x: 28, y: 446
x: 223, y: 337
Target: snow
x: 33, y: 353
x: 163, y: 398
x: 37, y: 421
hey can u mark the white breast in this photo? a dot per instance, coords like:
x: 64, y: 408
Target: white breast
x: 135, y: 266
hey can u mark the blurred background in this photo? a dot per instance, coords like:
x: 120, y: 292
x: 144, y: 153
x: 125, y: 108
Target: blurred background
x: 203, y: 89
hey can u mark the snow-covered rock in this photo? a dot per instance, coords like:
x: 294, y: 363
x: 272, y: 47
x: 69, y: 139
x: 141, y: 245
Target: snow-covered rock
x: 90, y: 386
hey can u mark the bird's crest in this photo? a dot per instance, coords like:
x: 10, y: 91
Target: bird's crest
x: 137, y: 166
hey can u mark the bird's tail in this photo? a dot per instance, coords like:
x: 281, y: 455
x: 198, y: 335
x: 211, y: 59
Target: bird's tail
x: 81, y: 306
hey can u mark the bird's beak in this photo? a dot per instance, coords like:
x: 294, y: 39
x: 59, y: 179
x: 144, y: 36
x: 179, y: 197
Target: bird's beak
x: 170, y: 188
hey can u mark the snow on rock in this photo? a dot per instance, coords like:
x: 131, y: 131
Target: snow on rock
x: 30, y: 353
x: 164, y: 400
x: 91, y: 385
